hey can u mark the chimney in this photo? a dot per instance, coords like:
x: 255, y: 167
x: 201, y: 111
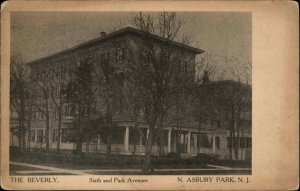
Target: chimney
x: 205, y: 78
x: 102, y: 34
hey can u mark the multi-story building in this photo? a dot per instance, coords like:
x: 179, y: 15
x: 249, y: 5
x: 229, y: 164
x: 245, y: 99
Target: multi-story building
x: 213, y: 136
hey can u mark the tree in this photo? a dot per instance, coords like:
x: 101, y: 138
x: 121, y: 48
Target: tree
x: 43, y: 99
x: 158, y: 68
x: 241, y: 72
x: 110, y: 81
x: 80, y: 92
x: 58, y: 92
x: 20, y: 92
x: 234, y: 99
x: 202, y: 93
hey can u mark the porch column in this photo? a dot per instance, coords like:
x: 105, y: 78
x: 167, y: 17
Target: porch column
x: 214, y: 143
x: 35, y: 137
x: 189, y: 142
x: 169, y: 141
x: 126, y: 139
x: 98, y: 140
x: 147, y: 133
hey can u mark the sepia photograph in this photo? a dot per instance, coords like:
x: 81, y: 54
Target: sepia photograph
x: 149, y: 95
x: 158, y: 93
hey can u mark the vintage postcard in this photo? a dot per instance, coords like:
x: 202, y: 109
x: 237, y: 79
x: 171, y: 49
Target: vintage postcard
x: 149, y: 95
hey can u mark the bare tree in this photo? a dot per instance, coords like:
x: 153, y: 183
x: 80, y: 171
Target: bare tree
x: 58, y: 87
x: 43, y: 98
x: 80, y: 92
x: 234, y: 99
x: 158, y: 67
x: 110, y: 81
x: 20, y: 91
x: 202, y: 93
x: 241, y: 72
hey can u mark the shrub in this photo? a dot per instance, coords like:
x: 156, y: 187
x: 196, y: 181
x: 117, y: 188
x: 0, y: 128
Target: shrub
x: 173, y: 155
x: 206, y: 158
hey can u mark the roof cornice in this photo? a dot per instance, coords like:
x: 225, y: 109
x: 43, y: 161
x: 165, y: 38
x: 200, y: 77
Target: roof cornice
x: 113, y: 34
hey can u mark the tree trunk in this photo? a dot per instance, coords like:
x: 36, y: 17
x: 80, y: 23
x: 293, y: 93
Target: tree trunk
x: 109, y: 125
x: 20, y: 135
x: 88, y: 146
x: 47, y: 128
x: 79, y: 136
x: 198, y: 141
x: 147, y: 158
x: 230, y: 141
x: 242, y: 148
x: 29, y: 135
x: 238, y: 135
x: 161, y: 136
x: 58, y: 131
x: 108, y: 142
x: 22, y: 132
x: 235, y: 141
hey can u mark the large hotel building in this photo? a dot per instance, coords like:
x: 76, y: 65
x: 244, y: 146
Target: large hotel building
x: 214, y: 131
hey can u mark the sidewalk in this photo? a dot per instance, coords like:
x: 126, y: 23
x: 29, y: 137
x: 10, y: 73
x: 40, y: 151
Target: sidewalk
x: 55, y: 170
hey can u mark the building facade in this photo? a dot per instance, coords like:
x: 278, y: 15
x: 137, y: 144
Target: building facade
x: 212, y: 135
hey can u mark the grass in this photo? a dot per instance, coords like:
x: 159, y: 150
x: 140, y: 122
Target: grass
x: 13, y: 167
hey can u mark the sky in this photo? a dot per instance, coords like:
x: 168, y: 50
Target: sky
x: 38, y: 34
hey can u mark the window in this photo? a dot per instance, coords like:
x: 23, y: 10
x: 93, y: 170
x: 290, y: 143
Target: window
x: 40, y: 136
x: 134, y: 136
x: 67, y: 112
x: 32, y: 135
x: 217, y: 142
x: 58, y: 72
x: 120, y: 55
x: 248, y: 142
x: 51, y: 72
x: 242, y: 142
x: 118, y: 135
x: 40, y: 114
x: 228, y: 142
x: 58, y: 91
x: 105, y: 56
x: 63, y: 71
x: 204, y: 141
x: 54, y: 135
x: 194, y: 137
x: 33, y: 115
x: 86, y: 110
x: 65, y: 135
x: 185, y: 66
x: 56, y: 113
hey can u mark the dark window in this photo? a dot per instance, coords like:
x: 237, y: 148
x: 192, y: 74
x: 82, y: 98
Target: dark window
x: 32, y: 135
x: 40, y: 136
x: 229, y: 142
x: 118, y: 135
x: 144, y: 131
x: 65, y: 135
x: 120, y: 55
x: 217, y: 142
x: 204, y: 141
x: 54, y: 135
x: 242, y: 142
x: 105, y: 56
x: 134, y: 136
